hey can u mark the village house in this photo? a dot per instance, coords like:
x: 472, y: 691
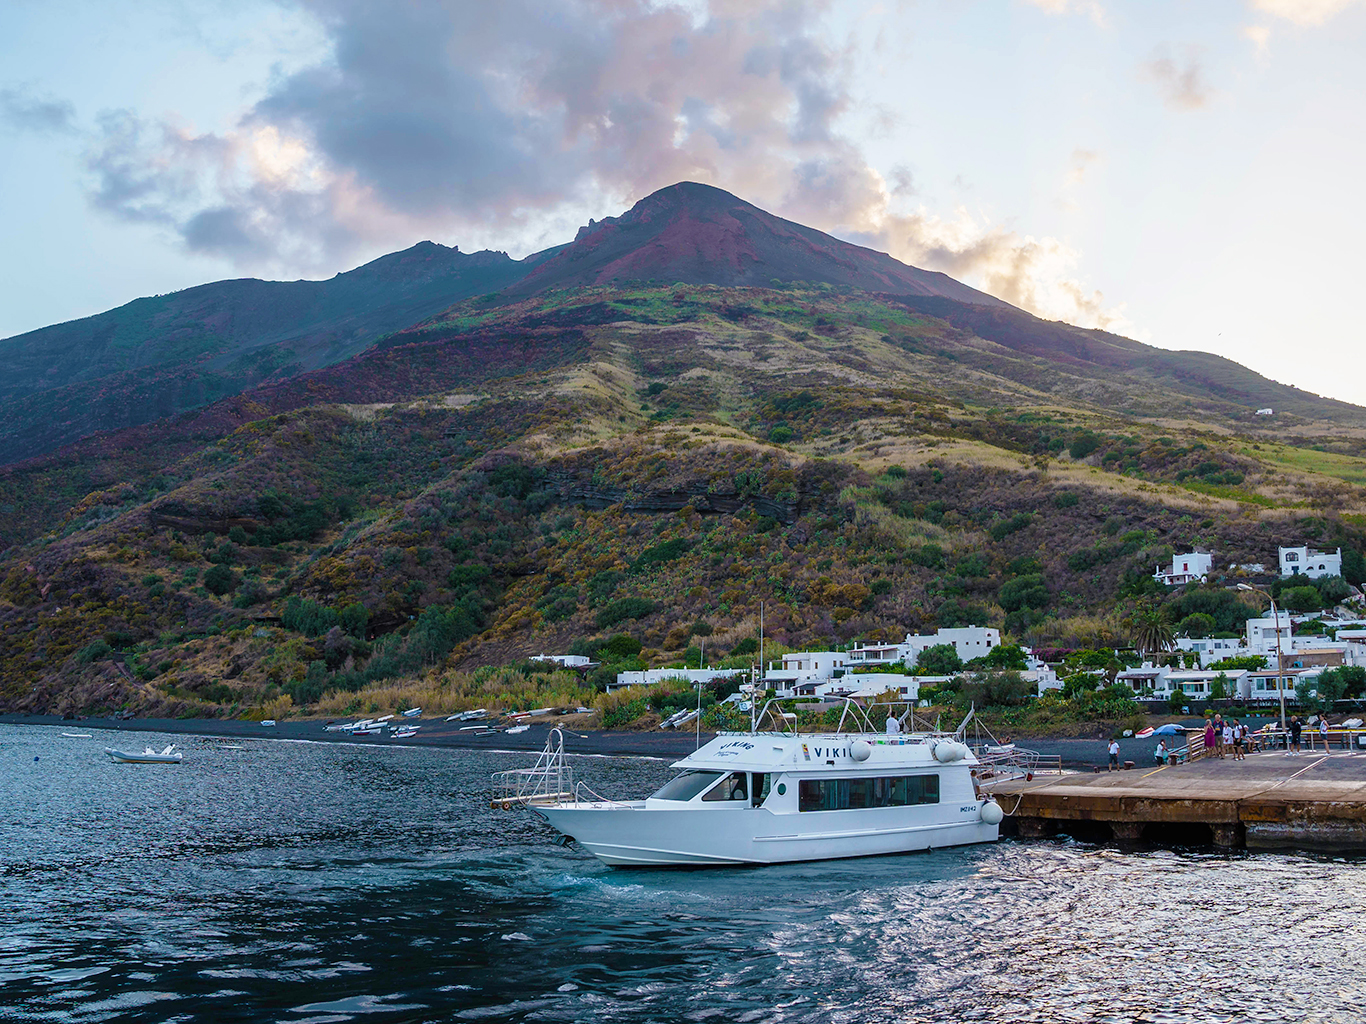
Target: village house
x: 1308, y: 562
x: 1190, y: 568
x: 1210, y: 649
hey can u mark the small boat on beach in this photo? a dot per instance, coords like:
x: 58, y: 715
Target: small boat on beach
x: 78, y: 735
x: 149, y: 756
x: 412, y: 713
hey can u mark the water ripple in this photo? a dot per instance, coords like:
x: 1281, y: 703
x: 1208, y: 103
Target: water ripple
x: 315, y: 883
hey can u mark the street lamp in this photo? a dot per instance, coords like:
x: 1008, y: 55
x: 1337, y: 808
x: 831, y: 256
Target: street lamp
x: 1280, y: 659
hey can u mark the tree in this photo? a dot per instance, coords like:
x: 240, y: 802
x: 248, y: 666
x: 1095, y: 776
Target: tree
x: 1009, y: 657
x: 1152, y: 629
x: 1318, y: 695
x: 939, y: 660
x: 1177, y: 702
x: 1197, y: 624
x: 1078, y: 683
x: 1301, y: 599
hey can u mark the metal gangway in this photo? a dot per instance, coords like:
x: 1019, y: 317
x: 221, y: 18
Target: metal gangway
x: 549, y: 781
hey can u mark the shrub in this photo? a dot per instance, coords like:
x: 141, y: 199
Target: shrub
x: 780, y: 434
x: 1000, y: 531
x: 1084, y: 444
x: 748, y: 645
x: 1066, y: 500
x: 219, y: 579
x: 1023, y: 592
x: 93, y: 651
x: 622, y: 609
x: 996, y: 689
x: 661, y: 553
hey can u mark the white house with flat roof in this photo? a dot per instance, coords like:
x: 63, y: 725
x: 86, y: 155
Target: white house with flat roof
x: 693, y: 676
x: 1262, y: 632
x: 1190, y: 568
x: 1308, y: 562
x: 1211, y: 648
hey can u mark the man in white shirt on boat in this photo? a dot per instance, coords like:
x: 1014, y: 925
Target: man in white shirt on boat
x: 893, y: 725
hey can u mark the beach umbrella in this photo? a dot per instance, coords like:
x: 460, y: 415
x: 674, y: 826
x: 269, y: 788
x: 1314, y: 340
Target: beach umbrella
x: 1170, y: 729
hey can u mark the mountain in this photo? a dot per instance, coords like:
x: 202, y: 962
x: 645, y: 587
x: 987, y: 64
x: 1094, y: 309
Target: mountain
x: 162, y: 356
x: 618, y: 469
x: 159, y: 356
x: 697, y: 234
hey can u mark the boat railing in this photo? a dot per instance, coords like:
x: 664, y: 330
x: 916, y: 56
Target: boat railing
x: 549, y: 781
x: 1005, y: 762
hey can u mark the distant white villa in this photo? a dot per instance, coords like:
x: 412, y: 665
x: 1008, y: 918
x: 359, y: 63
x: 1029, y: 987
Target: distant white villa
x: 1191, y: 568
x: 1308, y: 562
x: 1265, y: 412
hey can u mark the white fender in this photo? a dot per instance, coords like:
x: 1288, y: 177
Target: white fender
x: 948, y: 751
x: 991, y: 813
x: 860, y: 750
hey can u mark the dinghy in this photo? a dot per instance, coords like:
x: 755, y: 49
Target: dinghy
x: 149, y: 756
x: 78, y: 735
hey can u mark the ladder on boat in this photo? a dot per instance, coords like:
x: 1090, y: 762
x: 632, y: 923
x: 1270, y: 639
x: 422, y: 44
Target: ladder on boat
x: 549, y: 781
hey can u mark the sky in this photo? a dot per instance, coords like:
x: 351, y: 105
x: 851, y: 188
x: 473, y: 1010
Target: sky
x: 1184, y: 172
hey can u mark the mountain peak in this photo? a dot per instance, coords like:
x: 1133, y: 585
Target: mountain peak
x: 699, y: 234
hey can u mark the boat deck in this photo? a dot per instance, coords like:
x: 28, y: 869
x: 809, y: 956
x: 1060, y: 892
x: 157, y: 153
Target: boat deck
x: 1268, y: 800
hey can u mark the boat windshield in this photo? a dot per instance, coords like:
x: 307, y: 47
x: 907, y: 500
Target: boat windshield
x: 687, y: 785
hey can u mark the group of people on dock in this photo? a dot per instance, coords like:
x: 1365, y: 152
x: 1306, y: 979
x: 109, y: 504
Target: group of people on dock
x: 1228, y: 737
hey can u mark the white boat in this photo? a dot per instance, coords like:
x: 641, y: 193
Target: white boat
x: 406, y: 732
x: 412, y: 713
x: 468, y: 716
x: 775, y: 797
x: 78, y: 735
x: 369, y: 730
x: 517, y: 728
x: 268, y: 721
x: 149, y: 756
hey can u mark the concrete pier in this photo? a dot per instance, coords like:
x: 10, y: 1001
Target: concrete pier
x: 1266, y: 801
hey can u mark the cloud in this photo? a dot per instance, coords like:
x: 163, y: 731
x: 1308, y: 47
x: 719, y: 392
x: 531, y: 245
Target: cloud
x: 1304, y: 12
x: 445, y: 118
x: 1082, y: 159
x: 47, y: 116
x: 1260, y: 37
x: 1090, y: 8
x: 1182, y: 83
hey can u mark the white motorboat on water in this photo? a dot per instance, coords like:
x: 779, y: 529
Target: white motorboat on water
x: 775, y: 797
x: 149, y: 756
x: 78, y: 735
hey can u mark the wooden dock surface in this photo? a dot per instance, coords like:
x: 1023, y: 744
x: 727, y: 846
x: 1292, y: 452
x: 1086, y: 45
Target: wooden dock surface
x: 1314, y: 801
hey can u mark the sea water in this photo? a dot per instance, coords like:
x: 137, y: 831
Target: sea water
x: 312, y: 882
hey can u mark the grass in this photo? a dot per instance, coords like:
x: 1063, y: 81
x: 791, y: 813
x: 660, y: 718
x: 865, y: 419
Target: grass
x: 1347, y: 468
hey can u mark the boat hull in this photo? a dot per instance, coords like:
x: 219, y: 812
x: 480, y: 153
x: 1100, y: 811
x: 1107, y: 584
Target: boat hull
x: 637, y: 836
x: 127, y: 757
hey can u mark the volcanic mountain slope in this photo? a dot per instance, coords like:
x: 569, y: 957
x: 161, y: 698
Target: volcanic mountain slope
x: 158, y: 356
x: 161, y: 356
x: 518, y: 477
x: 697, y: 234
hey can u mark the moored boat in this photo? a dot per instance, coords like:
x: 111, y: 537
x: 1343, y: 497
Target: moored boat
x: 776, y: 797
x: 149, y: 756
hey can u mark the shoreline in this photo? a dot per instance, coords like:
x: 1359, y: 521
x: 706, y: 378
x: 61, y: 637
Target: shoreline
x: 1076, y: 754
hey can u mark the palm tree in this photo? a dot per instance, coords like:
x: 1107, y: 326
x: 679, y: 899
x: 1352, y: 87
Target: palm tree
x: 1152, y: 629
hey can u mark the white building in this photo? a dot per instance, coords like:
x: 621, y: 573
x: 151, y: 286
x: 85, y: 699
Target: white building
x: 692, y: 676
x: 1199, y: 685
x: 1211, y: 648
x: 969, y: 641
x: 801, y: 667
x: 1266, y: 412
x: 1261, y: 633
x: 1191, y: 568
x: 1308, y: 562
x: 566, y: 660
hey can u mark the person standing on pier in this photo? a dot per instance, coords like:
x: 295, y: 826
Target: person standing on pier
x: 1227, y: 740
x: 1114, y: 754
x: 1323, y: 731
x: 1209, y: 737
x: 1296, y: 727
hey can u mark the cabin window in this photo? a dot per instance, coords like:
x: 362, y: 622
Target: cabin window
x: 734, y: 786
x: 687, y: 785
x: 859, y: 794
x: 760, y: 785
